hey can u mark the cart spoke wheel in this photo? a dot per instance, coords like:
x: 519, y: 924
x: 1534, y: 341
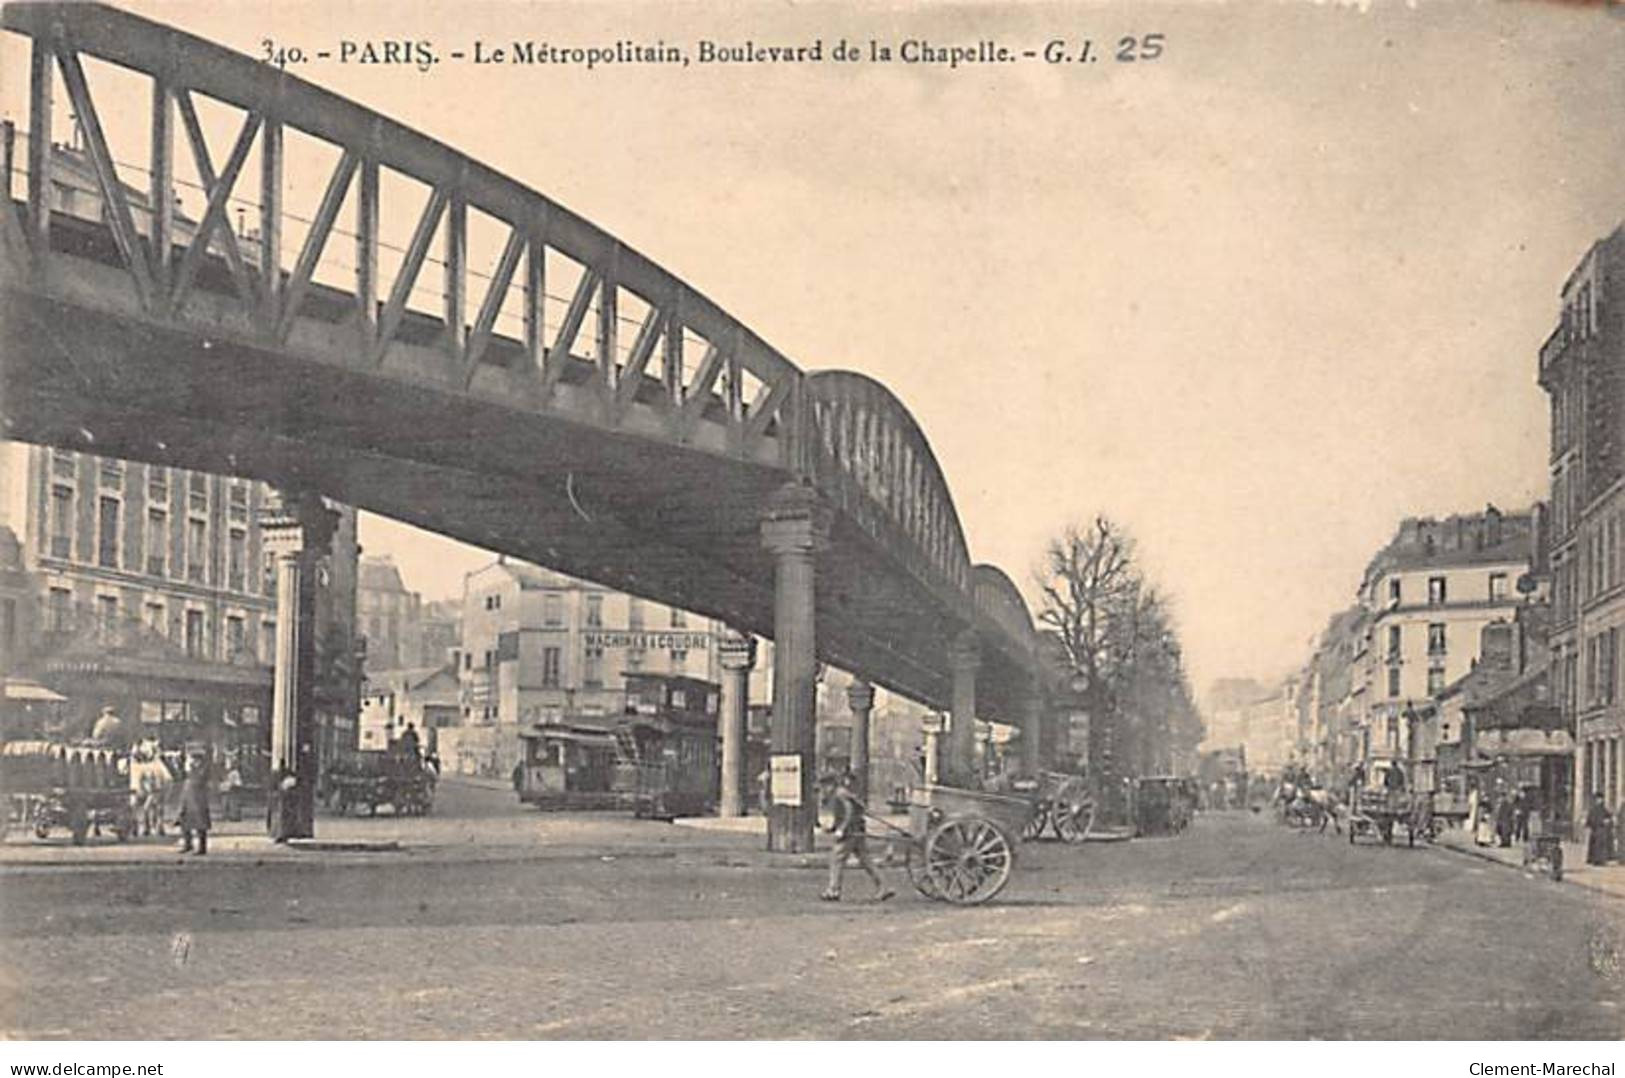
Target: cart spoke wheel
x: 918, y: 874
x: 1074, y: 821
x: 1036, y: 823
x: 968, y: 860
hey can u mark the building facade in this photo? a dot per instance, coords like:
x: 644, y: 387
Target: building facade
x: 1427, y: 597
x: 152, y: 595
x: 388, y: 616
x: 1580, y: 367
x: 540, y: 648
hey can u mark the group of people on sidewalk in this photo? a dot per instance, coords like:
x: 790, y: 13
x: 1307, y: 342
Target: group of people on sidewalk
x: 1514, y: 818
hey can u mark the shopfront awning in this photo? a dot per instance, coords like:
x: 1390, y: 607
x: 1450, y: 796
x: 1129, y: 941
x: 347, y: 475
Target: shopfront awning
x: 31, y: 692
x: 1524, y: 742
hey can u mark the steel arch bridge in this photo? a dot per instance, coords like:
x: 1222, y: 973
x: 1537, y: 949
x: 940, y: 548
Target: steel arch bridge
x: 577, y: 405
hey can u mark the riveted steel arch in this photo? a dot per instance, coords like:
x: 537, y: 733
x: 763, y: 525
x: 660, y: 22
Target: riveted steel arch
x: 999, y: 600
x: 869, y: 456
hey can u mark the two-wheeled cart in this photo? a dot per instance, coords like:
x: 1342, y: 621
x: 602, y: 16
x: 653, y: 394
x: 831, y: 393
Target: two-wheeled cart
x: 961, y: 844
x: 1062, y: 804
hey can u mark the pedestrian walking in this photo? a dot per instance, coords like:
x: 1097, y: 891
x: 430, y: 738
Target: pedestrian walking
x: 1520, y: 816
x: 1600, y: 828
x: 231, y: 790
x: 1484, y: 832
x: 194, y: 816
x: 851, y: 837
x: 409, y: 741
x: 1505, y: 816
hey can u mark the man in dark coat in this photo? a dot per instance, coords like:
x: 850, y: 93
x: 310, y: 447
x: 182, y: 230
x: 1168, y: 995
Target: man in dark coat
x: 1600, y: 824
x: 195, y: 804
x: 1505, y: 821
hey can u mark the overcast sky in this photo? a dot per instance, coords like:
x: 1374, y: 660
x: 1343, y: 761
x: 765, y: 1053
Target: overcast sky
x: 1257, y: 299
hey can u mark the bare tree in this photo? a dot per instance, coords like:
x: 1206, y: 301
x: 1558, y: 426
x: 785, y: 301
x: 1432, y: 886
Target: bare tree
x: 1118, y: 631
x: 1089, y: 581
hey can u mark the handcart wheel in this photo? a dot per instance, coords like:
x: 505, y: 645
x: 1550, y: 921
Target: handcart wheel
x: 1074, y: 821
x: 914, y: 865
x: 1036, y: 824
x: 968, y: 860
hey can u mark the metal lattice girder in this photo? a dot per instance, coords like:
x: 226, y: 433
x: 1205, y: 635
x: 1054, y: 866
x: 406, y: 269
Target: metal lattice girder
x: 845, y: 434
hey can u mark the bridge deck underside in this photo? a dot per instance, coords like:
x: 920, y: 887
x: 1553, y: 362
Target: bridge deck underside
x: 656, y: 519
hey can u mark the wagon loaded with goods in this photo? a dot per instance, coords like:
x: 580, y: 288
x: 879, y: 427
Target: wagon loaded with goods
x: 373, y: 777
x: 1378, y: 812
x: 47, y: 785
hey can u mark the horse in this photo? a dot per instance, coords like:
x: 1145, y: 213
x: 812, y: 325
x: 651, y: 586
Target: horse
x: 150, y: 781
x: 1315, y: 807
x: 1286, y: 795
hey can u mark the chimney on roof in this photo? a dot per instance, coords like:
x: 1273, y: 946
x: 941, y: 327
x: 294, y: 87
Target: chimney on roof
x: 1496, y: 647
x: 1492, y: 525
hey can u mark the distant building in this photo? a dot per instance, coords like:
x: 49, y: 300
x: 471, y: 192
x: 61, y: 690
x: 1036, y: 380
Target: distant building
x: 1427, y: 597
x: 441, y: 630
x: 1330, y: 697
x: 1580, y: 370
x: 542, y: 648
x: 425, y: 698
x: 1260, y: 720
x: 388, y: 616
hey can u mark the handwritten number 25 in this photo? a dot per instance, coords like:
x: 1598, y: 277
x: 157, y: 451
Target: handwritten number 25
x: 1148, y: 47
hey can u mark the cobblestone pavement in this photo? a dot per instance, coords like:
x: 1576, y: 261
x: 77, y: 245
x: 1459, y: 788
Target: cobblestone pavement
x: 1238, y: 928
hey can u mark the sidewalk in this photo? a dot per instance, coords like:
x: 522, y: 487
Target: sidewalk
x: 522, y: 835
x: 1605, y: 879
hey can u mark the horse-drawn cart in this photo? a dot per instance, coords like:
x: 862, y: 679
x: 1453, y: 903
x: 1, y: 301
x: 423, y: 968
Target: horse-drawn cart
x: 962, y: 843
x: 46, y: 785
x: 1060, y: 803
x: 373, y: 777
x: 1377, y: 813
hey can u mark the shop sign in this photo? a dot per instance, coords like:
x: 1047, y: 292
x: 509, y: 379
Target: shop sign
x: 648, y: 641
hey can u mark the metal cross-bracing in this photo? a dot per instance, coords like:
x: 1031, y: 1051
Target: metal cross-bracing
x: 686, y: 359
x: 435, y: 341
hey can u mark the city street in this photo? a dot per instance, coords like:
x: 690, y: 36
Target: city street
x: 1238, y: 928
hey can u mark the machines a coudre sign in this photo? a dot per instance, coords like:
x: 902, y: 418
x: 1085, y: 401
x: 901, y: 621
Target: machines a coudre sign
x: 651, y: 641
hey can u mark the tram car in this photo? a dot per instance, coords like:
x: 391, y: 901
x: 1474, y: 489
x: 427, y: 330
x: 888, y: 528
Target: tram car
x: 667, y: 755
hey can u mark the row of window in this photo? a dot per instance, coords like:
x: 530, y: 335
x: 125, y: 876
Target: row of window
x: 1438, y: 590
x: 155, y: 543
x: 112, y: 475
x: 1436, y: 681
x: 592, y: 666
x: 1437, y: 640
x: 1597, y: 564
x: 1591, y: 679
x: 1600, y: 771
x: 110, y: 623
x: 593, y: 613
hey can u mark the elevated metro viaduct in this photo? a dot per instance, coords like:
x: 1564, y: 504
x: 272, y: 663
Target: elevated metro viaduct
x: 687, y: 462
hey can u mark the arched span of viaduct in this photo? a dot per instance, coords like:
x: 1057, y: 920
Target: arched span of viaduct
x: 577, y: 405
